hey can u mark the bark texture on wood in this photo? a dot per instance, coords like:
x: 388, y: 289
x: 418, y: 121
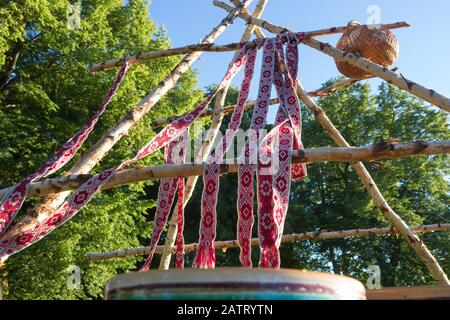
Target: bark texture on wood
x: 306, y: 236
x: 93, y: 156
x: 322, y: 92
x: 418, y: 246
x: 392, y: 77
x: 410, y: 293
x: 379, y: 151
x: 207, y: 47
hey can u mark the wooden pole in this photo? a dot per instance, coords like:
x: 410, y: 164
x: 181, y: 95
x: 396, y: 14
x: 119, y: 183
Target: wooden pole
x: 209, y: 47
x: 205, y: 150
x: 306, y: 236
x: 410, y: 293
x: 322, y: 92
x: 92, y: 157
x: 399, y: 80
x: 414, y: 241
x: 379, y: 151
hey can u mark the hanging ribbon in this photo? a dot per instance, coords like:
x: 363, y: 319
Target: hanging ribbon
x: 247, y: 167
x: 273, y: 191
x: 273, y: 179
x: 83, y: 195
x: 273, y: 202
x: 179, y: 255
x: 175, y: 154
x: 205, y: 256
x: 286, y: 88
x: 13, y: 201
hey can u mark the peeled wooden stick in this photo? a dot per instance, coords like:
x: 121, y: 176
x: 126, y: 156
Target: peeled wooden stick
x: 323, y: 92
x: 228, y: 109
x: 414, y: 241
x: 379, y: 151
x: 208, y: 113
x: 92, y: 157
x: 306, y: 236
x: 205, y: 150
x: 209, y: 47
x: 399, y: 80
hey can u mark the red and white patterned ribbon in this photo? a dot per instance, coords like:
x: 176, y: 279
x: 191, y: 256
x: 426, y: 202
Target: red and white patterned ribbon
x: 273, y: 192
x: 286, y: 89
x: 82, y: 196
x: 205, y: 255
x: 246, y: 169
x: 273, y: 187
x: 175, y: 154
x: 13, y: 201
x: 179, y: 256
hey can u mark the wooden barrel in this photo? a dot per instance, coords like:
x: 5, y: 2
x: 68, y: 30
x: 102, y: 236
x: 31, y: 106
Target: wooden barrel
x: 233, y: 284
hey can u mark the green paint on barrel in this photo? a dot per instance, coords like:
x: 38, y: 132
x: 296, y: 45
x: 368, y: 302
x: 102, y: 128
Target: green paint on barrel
x: 233, y: 284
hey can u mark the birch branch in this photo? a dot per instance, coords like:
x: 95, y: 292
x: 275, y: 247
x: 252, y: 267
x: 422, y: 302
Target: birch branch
x: 398, y: 80
x: 93, y: 156
x: 379, y: 151
x: 205, y: 150
x: 306, y: 236
x: 322, y: 92
x: 208, y: 47
x: 416, y: 244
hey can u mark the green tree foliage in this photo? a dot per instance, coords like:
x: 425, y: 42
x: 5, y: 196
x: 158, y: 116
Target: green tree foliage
x: 46, y: 95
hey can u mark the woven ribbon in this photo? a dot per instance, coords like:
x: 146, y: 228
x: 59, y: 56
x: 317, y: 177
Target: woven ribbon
x: 175, y: 154
x: 83, y: 194
x: 13, y: 201
x: 273, y: 179
x: 205, y: 256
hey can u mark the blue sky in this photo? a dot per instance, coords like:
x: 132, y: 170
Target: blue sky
x: 424, y: 47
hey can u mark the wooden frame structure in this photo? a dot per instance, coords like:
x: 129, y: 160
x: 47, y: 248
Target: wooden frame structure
x: 57, y: 189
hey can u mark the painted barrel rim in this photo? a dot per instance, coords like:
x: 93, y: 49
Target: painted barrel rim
x: 233, y: 284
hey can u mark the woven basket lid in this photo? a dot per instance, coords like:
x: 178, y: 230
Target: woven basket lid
x: 376, y: 44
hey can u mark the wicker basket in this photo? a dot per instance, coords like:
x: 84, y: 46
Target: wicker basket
x: 378, y: 45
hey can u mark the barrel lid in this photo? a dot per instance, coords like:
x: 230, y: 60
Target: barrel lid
x: 344, y: 287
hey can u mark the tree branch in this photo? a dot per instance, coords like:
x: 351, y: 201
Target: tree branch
x: 146, y: 56
x: 307, y: 236
x: 380, y: 151
x: 323, y: 92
